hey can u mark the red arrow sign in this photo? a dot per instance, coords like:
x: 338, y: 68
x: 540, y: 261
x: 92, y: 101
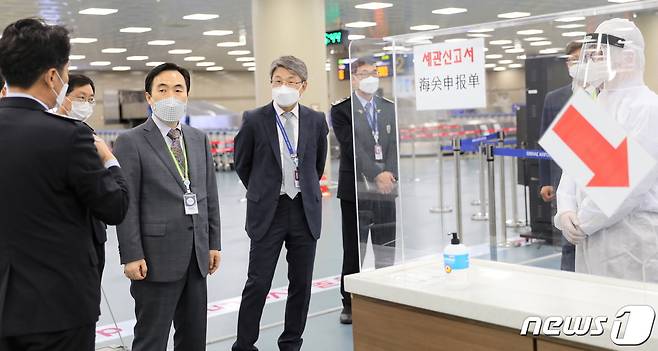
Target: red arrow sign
x: 609, y: 164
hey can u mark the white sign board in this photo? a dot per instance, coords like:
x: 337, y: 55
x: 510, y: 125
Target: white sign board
x: 593, y: 149
x: 450, y: 76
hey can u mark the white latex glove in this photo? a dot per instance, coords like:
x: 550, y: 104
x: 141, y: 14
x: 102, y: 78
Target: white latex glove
x: 571, y: 228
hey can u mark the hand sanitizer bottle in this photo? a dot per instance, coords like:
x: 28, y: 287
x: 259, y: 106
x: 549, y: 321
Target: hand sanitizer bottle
x: 456, y: 262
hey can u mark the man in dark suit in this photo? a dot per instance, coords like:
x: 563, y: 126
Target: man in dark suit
x: 170, y: 239
x: 549, y: 171
x: 54, y: 180
x: 376, y: 174
x: 280, y: 154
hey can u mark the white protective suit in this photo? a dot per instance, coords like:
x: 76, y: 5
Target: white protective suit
x: 624, y: 245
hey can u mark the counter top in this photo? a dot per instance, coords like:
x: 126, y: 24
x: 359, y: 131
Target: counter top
x: 506, y: 294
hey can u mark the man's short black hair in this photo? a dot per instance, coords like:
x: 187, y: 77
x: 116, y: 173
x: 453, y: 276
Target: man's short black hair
x: 573, y: 46
x: 29, y: 47
x: 363, y: 61
x: 148, y: 84
x: 79, y: 80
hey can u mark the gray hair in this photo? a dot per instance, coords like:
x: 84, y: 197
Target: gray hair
x: 362, y: 61
x: 292, y: 64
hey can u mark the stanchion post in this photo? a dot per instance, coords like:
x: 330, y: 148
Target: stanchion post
x: 503, y: 202
x: 440, y: 208
x: 413, y: 154
x: 456, y: 149
x: 482, y: 202
x: 514, y: 222
x: 493, y: 240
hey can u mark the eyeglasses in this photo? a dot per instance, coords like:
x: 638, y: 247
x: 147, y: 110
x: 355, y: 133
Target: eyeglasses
x: 278, y: 83
x: 367, y: 74
x: 91, y: 100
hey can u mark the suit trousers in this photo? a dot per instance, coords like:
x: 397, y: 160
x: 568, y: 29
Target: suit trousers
x: 290, y: 227
x: 351, y: 263
x: 185, y: 302
x: 377, y: 220
x: 79, y: 339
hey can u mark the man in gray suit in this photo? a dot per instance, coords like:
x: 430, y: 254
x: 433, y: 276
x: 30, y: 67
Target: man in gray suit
x: 170, y: 239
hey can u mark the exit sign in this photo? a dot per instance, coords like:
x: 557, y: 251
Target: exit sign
x: 335, y: 37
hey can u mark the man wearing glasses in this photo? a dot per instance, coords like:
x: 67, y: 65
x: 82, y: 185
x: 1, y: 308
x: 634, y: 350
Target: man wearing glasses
x: 280, y: 154
x: 375, y: 149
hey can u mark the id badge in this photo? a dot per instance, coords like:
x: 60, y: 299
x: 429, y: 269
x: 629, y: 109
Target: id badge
x: 379, y: 153
x: 296, y: 178
x: 191, y: 207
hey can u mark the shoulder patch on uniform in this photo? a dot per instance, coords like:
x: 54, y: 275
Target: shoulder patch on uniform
x: 56, y: 115
x: 338, y: 102
x: 387, y: 100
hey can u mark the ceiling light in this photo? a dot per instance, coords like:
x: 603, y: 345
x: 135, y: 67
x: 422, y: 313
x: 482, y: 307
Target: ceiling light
x: 535, y: 39
x: 154, y: 64
x: 449, y: 11
x: 360, y: 24
x: 486, y: 49
x: 73, y: 68
x: 355, y: 37
x: 425, y: 27
x: 121, y: 68
x: 245, y: 59
x: 100, y: 63
x: 230, y: 44
x: 500, y: 42
x: 374, y: 5
x: 621, y: 1
x: 514, y: 15
x: 114, y: 50
x: 251, y: 69
x: 205, y: 64
x: 395, y: 48
x: 249, y: 64
x: 540, y: 43
x: 490, y: 65
x: 570, y: 19
x: 77, y: 57
x: 479, y: 35
x: 574, y: 34
x: 505, y: 62
x: 135, y: 30
x: 508, y: 47
x: 500, y: 69
x: 137, y: 58
x: 421, y: 39
x: 530, y: 32
x: 218, y: 33
x: 98, y: 11
x: 161, y: 42
x: 570, y: 26
x: 481, y: 30
x: 215, y: 68
x: 515, y: 65
x: 83, y: 40
x: 200, y: 17
x: 180, y: 51
x: 549, y: 51
x: 522, y: 57
x: 238, y: 52
x: 194, y: 58
x: 515, y: 51
x: 494, y: 56
x: 455, y: 40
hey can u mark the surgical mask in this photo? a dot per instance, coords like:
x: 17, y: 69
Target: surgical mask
x: 573, y: 70
x: 597, y: 74
x: 369, y: 85
x: 169, y: 110
x: 285, y: 96
x: 62, y: 93
x: 81, y: 110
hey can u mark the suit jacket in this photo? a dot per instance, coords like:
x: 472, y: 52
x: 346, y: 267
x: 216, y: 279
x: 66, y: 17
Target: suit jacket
x: 549, y: 171
x: 258, y: 164
x: 156, y: 227
x: 367, y: 167
x: 53, y: 182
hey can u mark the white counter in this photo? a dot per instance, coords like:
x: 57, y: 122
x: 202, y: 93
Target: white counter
x: 505, y: 294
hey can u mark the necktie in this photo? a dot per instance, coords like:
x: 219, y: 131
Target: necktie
x: 288, y: 166
x: 176, y: 149
x: 371, y: 119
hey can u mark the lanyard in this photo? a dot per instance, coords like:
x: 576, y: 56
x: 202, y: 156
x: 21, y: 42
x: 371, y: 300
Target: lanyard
x: 372, y: 121
x: 184, y: 173
x: 291, y: 151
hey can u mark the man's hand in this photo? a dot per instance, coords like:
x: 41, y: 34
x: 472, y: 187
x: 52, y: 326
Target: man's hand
x: 547, y: 193
x: 136, y: 270
x: 103, y: 150
x: 215, y: 258
x: 385, y: 182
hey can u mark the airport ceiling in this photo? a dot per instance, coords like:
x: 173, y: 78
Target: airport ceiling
x: 195, y: 41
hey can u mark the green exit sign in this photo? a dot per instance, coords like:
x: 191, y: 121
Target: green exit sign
x: 335, y: 37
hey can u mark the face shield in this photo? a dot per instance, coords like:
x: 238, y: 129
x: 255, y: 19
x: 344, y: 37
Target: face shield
x: 598, y: 60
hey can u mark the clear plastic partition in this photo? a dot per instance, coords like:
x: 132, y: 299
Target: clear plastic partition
x: 427, y: 106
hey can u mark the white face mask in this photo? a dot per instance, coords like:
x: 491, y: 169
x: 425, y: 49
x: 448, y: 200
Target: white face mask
x: 597, y: 74
x: 369, y: 85
x: 62, y: 93
x: 285, y: 96
x: 81, y: 110
x: 573, y: 70
x: 169, y: 110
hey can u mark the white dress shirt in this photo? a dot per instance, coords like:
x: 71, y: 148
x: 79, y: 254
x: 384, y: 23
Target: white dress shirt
x: 364, y: 102
x: 283, y: 148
